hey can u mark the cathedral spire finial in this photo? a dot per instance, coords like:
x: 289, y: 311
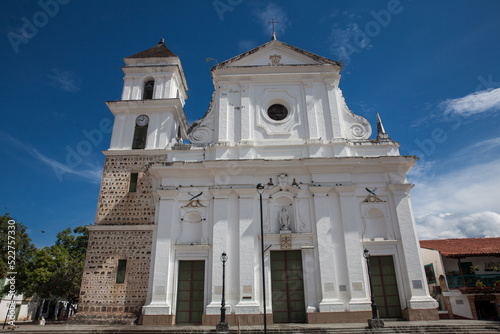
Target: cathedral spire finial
x: 273, y: 38
x: 381, y: 134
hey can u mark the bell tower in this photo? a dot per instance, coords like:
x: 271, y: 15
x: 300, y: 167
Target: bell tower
x: 150, y: 113
x: 149, y: 119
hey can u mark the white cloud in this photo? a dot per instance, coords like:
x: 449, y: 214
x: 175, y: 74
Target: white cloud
x: 474, y: 188
x: 92, y: 172
x: 270, y: 12
x: 475, y: 103
x: 445, y: 226
x: 345, y: 41
x: 463, y: 200
x: 65, y: 81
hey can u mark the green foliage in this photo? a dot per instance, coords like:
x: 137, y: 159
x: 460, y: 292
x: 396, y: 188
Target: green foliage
x: 54, y: 271
x: 21, y: 248
x: 57, y: 270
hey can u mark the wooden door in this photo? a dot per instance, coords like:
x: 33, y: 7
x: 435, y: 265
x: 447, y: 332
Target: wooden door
x: 385, y: 286
x: 190, y: 292
x: 287, y: 287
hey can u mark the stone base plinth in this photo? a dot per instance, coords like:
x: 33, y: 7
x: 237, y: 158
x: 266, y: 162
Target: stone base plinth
x: 158, y: 320
x: 104, y: 318
x: 222, y: 327
x: 375, y: 323
x: 338, y: 317
x: 420, y: 314
x: 235, y: 319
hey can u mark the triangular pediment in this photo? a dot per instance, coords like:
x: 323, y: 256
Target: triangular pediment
x: 275, y: 53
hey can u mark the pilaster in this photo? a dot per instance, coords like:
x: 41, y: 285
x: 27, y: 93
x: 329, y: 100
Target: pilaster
x: 329, y: 296
x: 223, y: 112
x: 157, y: 302
x: 248, y: 213
x: 358, y: 284
x: 416, y: 288
x: 331, y: 87
x: 246, y: 118
x: 220, y: 244
x: 312, y: 117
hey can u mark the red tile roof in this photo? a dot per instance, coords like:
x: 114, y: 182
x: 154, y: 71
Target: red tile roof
x: 464, y: 247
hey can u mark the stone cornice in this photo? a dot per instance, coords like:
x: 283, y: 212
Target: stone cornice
x: 246, y: 192
x: 121, y: 227
x: 320, y: 190
x: 130, y: 153
x: 401, y: 189
x: 219, y: 193
x: 346, y: 190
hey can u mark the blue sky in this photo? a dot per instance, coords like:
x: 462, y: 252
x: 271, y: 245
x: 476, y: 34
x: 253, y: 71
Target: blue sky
x: 430, y: 68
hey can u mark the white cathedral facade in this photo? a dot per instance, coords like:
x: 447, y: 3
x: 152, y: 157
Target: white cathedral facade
x: 168, y: 210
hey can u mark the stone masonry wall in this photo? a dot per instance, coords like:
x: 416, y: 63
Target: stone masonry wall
x: 100, y: 292
x: 118, y: 206
x: 101, y: 298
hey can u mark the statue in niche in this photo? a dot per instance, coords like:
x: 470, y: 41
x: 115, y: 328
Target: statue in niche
x: 284, y: 220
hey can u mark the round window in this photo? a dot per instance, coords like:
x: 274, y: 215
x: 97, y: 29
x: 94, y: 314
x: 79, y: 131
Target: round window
x: 277, y: 112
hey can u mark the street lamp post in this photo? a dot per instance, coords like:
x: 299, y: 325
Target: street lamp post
x: 375, y: 322
x: 223, y: 326
x: 260, y: 190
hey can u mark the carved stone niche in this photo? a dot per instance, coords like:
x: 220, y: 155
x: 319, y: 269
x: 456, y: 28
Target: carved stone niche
x: 375, y: 222
x: 193, y: 227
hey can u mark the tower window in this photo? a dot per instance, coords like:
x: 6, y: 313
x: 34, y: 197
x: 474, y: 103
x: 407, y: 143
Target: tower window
x: 141, y: 132
x: 148, y: 90
x: 133, y: 182
x: 277, y: 112
x: 120, y: 271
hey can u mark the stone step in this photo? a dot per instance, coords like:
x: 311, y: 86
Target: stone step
x: 450, y: 327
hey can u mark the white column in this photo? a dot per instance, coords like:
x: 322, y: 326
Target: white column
x: 329, y: 296
x: 220, y: 244
x: 157, y: 302
x: 358, y: 284
x: 416, y: 290
x: 249, y: 252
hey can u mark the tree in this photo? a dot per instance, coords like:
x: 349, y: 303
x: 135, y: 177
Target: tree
x: 56, y: 271
x: 14, y: 239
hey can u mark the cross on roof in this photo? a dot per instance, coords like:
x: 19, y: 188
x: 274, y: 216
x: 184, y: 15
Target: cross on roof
x: 273, y: 22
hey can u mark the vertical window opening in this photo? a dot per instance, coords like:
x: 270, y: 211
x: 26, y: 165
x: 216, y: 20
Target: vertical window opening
x: 133, y: 182
x: 148, y: 90
x: 120, y: 272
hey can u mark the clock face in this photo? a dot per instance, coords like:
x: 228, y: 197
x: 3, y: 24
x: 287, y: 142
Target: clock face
x: 142, y: 120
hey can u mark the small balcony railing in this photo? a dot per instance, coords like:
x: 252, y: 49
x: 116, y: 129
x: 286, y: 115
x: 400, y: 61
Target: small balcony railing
x: 488, y: 280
